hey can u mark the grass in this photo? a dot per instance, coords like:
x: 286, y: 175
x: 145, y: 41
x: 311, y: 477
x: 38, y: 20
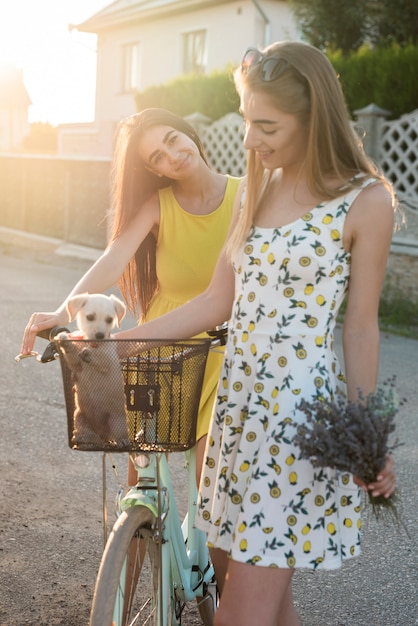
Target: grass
x: 398, y: 313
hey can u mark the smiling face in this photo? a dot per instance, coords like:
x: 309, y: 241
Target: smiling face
x: 278, y: 138
x: 168, y: 152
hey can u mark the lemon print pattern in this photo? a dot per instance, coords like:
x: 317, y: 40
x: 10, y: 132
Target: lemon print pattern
x: 258, y: 500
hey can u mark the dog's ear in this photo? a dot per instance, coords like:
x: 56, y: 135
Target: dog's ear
x: 76, y: 303
x: 120, y: 308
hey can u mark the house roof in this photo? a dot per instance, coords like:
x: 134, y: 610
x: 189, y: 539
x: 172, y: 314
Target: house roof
x: 128, y: 11
x: 13, y: 94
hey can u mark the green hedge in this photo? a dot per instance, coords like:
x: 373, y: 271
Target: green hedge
x: 213, y: 95
x: 386, y: 76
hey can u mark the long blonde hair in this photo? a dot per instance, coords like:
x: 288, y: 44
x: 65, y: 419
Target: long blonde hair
x: 306, y: 86
x: 132, y: 185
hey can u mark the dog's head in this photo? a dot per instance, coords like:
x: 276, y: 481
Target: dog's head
x: 96, y: 314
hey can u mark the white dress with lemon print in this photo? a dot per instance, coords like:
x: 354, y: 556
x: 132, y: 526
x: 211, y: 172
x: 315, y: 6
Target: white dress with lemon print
x: 258, y: 501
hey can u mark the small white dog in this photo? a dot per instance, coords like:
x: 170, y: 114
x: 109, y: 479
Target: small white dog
x: 99, y: 396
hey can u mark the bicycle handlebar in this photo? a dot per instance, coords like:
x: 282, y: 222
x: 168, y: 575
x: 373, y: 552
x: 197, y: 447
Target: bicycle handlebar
x: 50, y: 333
x: 218, y: 336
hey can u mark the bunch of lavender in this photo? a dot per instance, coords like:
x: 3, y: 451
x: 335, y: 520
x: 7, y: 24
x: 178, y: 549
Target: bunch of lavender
x: 353, y: 437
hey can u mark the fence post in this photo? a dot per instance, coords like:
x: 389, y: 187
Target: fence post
x: 369, y: 124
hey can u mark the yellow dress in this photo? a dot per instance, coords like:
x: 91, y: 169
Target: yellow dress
x: 188, y: 247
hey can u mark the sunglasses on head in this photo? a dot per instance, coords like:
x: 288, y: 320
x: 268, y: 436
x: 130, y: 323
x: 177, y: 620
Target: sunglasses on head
x: 270, y: 67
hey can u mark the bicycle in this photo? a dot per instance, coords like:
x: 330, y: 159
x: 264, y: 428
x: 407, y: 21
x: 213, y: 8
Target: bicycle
x: 153, y: 563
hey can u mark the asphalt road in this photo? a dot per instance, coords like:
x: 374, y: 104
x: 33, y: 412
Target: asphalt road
x: 50, y: 496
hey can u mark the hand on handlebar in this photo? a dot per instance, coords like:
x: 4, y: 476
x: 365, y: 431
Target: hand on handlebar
x: 50, y: 352
x: 38, y: 322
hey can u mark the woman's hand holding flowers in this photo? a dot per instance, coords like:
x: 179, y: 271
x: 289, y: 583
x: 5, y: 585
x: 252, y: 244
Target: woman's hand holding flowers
x: 385, y: 483
x: 354, y: 437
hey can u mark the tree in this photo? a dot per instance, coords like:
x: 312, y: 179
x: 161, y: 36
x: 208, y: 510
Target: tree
x: 396, y: 21
x: 213, y: 95
x: 332, y: 26
x: 348, y: 24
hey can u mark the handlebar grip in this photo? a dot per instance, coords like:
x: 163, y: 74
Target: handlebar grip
x: 50, y: 333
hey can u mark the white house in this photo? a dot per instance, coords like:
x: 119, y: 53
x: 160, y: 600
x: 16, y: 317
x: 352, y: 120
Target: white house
x: 149, y: 42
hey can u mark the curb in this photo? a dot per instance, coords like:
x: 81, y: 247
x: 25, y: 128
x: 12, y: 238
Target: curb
x: 12, y: 237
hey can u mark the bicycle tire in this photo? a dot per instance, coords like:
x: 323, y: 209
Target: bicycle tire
x: 133, y: 528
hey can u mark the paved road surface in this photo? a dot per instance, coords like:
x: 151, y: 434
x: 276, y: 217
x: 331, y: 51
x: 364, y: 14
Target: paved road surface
x: 50, y: 511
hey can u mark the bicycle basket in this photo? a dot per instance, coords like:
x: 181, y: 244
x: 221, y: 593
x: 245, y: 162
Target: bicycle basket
x: 148, y: 400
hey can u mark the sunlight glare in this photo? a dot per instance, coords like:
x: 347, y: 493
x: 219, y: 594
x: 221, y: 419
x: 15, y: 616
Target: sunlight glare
x: 58, y: 66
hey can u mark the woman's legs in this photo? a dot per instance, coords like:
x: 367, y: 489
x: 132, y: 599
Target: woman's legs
x: 253, y: 595
x: 132, y: 473
x: 220, y: 562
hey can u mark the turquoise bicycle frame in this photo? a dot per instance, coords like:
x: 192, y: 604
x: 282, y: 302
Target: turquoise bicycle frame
x: 185, y: 566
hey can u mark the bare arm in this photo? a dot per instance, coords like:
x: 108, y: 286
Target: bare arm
x: 102, y: 275
x: 368, y: 234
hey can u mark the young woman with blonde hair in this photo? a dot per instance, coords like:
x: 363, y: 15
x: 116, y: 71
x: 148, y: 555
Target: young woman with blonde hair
x: 313, y: 225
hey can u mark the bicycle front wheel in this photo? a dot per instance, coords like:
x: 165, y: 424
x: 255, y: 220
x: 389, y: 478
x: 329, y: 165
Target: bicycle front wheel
x: 128, y: 589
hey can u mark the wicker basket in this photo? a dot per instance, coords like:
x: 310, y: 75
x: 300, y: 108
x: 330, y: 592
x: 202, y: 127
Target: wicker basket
x: 126, y: 396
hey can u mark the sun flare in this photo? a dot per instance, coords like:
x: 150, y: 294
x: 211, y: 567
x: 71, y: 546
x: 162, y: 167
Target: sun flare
x: 58, y: 65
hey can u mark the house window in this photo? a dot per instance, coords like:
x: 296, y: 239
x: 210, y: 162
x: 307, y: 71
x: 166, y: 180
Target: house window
x: 194, y: 52
x: 130, y: 70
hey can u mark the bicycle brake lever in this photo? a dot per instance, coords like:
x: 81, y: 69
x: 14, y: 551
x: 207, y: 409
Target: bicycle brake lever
x: 49, y: 354
x: 220, y: 333
x: 20, y: 357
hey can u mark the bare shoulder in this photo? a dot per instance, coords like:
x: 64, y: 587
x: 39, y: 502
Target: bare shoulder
x: 149, y: 211
x: 374, y: 204
x: 374, y: 197
x: 371, y: 215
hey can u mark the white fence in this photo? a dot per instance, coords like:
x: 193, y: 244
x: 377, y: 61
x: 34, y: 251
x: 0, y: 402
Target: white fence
x: 398, y: 154
x: 223, y: 142
x: 392, y: 144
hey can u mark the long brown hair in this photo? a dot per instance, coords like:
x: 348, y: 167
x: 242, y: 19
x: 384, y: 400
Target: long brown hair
x: 132, y: 185
x: 308, y: 87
